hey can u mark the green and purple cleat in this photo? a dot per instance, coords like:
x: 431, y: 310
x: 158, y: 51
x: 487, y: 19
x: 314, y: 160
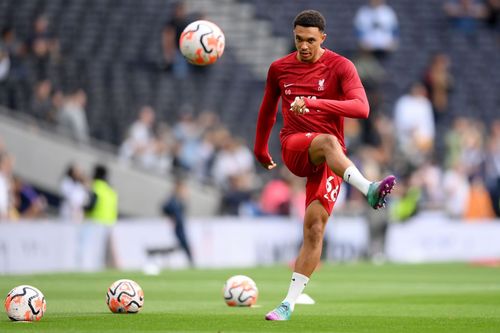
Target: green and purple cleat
x: 379, y: 190
x: 282, y: 312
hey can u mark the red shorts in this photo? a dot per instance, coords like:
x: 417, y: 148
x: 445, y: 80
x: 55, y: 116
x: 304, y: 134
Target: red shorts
x: 322, y: 184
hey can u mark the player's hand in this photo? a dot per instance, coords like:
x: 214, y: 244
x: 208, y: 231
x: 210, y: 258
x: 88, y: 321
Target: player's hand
x: 268, y: 165
x: 265, y: 159
x: 298, y: 106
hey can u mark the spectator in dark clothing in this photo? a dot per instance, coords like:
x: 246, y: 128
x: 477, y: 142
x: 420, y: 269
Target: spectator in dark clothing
x: 465, y: 14
x: 175, y: 208
x: 44, y: 47
x: 439, y: 83
x: 28, y: 202
x: 172, y: 57
x: 16, y: 87
x: 41, y: 105
x: 493, y: 14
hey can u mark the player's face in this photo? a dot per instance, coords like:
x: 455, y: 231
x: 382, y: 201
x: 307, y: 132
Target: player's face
x: 308, y: 42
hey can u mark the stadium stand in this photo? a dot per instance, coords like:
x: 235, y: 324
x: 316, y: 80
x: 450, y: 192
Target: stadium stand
x: 44, y: 170
x: 115, y: 45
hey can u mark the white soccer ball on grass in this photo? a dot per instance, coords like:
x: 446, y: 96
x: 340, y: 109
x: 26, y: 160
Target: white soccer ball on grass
x: 125, y: 296
x: 240, y: 290
x: 25, y: 303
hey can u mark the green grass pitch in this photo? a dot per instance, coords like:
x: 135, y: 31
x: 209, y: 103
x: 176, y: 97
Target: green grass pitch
x: 349, y: 298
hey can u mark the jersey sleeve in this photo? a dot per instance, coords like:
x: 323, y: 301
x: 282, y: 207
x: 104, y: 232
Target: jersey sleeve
x: 355, y: 103
x: 267, y: 116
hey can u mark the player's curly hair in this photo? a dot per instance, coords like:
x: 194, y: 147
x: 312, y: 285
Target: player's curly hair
x: 310, y: 18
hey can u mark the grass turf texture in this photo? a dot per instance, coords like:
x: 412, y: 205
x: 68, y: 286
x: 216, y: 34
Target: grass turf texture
x: 350, y: 298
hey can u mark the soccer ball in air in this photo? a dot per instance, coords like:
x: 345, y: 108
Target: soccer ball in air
x: 25, y: 303
x: 202, y: 43
x: 240, y: 290
x: 125, y: 296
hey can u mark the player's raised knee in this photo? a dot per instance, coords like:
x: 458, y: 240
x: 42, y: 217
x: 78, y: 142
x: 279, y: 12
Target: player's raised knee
x: 329, y: 142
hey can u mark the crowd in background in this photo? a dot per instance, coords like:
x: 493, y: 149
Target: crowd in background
x: 442, y: 162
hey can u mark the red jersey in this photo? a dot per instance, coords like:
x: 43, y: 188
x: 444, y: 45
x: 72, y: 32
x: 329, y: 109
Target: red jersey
x: 331, y: 89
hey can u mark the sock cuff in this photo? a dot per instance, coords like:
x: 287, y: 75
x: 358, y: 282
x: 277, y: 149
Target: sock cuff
x: 348, y: 172
x: 300, y: 278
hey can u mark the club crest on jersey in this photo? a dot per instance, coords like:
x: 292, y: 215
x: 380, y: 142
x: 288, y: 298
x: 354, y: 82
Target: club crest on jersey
x: 321, y: 85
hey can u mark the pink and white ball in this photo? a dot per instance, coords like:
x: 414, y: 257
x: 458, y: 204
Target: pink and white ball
x: 240, y: 290
x: 125, y: 296
x: 202, y: 43
x: 25, y: 303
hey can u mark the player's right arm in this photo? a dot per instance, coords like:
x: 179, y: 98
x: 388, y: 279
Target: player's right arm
x: 355, y: 103
x: 266, y: 119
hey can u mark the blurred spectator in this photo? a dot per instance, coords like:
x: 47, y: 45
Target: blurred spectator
x: 432, y: 190
x: 439, y: 82
x: 41, y: 105
x: 479, y: 205
x: 407, y: 198
x: 173, y: 60
x: 456, y: 190
x: 284, y: 195
x: 4, y: 73
x: 205, y: 157
x: 493, y: 14
x: 165, y: 143
x: 472, y: 148
x: 414, y: 124
x: 43, y: 46
x: 75, y: 195
x: 276, y: 197
x: 237, y: 196
x: 465, y: 14
x: 199, y: 140
x: 4, y: 63
x: 277, y: 194
x: 372, y: 75
x: 72, y: 118
x: 492, y: 165
x: 6, y: 201
x: 453, y: 141
x: 234, y: 159
x: 27, y: 201
x: 141, y: 144
x: 175, y: 209
x: 16, y: 86
x: 188, y: 133
x: 377, y: 28
x: 103, y: 201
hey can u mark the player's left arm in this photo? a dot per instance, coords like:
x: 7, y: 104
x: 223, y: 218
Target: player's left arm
x: 266, y: 120
x: 355, y: 104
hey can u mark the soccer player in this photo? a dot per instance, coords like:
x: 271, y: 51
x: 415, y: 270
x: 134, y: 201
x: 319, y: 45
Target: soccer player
x: 318, y: 88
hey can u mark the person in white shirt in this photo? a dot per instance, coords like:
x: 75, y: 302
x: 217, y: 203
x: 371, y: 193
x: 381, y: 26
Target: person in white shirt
x: 72, y: 118
x: 232, y: 160
x: 377, y: 27
x: 75, y: 195
x: 140, y: 144
x: 414, y: 123
x: 4, y: 186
